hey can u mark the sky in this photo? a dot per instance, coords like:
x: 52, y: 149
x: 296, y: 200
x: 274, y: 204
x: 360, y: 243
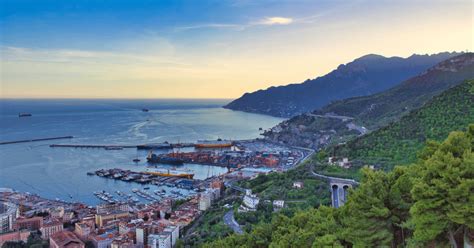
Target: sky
x: 208, y: 49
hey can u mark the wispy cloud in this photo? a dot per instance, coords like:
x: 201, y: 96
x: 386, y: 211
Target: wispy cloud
x: 267, y: 21
x: 212, y: 25
x: 276, y: 20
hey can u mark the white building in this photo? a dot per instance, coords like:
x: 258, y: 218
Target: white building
x: 278, y: 204
x: 162, y: 240
x: 8, y: 214
x: 205, y: 201
x: 251, y: 201
x: 174, y: 230
x: 298, y: 185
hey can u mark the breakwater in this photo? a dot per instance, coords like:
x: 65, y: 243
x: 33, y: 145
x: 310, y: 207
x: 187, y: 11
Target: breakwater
x: 35, y: 140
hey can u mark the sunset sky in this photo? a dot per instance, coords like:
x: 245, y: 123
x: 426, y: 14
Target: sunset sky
x: 208, y: 49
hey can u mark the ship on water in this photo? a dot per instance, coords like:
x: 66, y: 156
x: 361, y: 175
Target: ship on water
x: 219, y: 143
x: 163, y: 159
x: 171, y: 173
x: 155, y: 146
x: 24, y: 115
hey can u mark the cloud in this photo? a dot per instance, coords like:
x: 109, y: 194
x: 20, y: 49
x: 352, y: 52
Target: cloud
x: 276, y: 21
x: 212, y: 25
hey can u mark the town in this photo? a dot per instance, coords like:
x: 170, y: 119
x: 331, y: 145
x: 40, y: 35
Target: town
x: 146, y: 218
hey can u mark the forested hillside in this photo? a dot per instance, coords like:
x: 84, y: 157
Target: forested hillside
x: 427, y: 204
x: 399, y: 141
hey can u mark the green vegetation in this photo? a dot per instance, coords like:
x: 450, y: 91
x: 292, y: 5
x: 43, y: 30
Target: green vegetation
x: 429, y: 203
x: 377, y: 110
x: 398, y: 142
x: 210, y: 226
x: 279, y: 186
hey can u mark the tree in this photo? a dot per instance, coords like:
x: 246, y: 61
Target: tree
x: 365, y: 215
x: 444, y: 190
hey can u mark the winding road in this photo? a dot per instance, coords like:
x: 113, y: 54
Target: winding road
x: 230, y: 221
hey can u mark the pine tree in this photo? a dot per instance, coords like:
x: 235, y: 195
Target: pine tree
x: 444, y: 190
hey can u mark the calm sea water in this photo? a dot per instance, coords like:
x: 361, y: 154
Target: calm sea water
x: 61, y: 172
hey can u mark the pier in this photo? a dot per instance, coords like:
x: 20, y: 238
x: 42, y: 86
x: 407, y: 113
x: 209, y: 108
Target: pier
x: 119, y: 146
x: 35, y: 140
x: 93, y: 146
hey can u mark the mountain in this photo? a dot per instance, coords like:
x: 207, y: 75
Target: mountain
x: 398, y: 143
x: 345, y: 119
x: 364, y: 76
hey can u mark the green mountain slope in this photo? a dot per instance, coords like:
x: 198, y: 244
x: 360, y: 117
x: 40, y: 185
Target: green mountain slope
x: 398, y: 142
x: 320, y: 128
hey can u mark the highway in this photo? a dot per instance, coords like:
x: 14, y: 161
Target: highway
x: 229, y: 220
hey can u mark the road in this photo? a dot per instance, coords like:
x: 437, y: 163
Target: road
x: 362, y: 130
x: 229, y: 220
x: 335, y: 179
x: 340, y: 117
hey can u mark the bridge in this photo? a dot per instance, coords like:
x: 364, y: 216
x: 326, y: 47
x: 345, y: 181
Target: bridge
x: 339, y: 188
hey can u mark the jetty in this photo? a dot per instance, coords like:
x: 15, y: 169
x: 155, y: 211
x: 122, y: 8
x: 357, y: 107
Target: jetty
x: 123, y: 146
x: 111, y: 147
x: 35, y: 140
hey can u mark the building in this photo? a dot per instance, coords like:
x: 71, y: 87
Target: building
x: 65, y: 239
x: 31, y: 224
x: 278, y: 204
x: 251, y: 201
x: 205, y: 201
x: 102, y: 219
x: 20, y: 235
x: 162, y: 240
x: 8, y: 214
x: 102, y: 240
x: 109, y: 208
x: 298, y: 185
x: 50, y: 227
x: 174, y: 230
x: 56, y: 213
x: 141, y: 234
x: 82, y: 229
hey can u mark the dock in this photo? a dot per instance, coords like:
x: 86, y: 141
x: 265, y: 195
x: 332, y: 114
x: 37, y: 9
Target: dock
x: 119, y: 146
x: 35, y: 140
x: 93, y: 146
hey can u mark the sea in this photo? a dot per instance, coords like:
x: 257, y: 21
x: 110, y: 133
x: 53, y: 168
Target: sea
x: 60, y: 173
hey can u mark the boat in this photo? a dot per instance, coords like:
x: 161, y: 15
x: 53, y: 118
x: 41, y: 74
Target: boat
x: 152, y: 146
x: 162, y: 159
x: 90, y: 173
x: 170, y: 173
x: 24, y: 114
x: 145, y: 110
x: 136, y: 160
x: 219, y: 143
x: 113, y: 148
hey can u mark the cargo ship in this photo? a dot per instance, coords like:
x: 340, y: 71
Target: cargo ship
x: 155, y: 146
x: 219, y: 143
x: 24, y: 115
x: 170, y: 173
x: 161, y: 159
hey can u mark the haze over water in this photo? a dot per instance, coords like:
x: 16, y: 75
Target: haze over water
x: 61, y: 172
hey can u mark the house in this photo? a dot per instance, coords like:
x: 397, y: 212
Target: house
x: 50, y: 227
x: 278, y: 204
x: 298, y: 185
x: 162, y: 240
x: 65, y: 239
